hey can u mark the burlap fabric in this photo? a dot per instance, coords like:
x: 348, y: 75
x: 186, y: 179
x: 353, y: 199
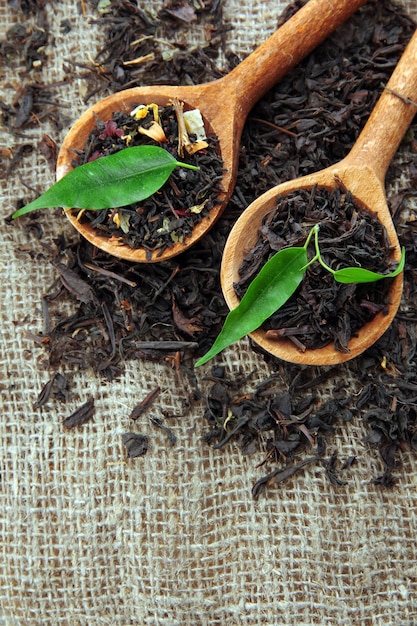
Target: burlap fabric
x: 91, y: 537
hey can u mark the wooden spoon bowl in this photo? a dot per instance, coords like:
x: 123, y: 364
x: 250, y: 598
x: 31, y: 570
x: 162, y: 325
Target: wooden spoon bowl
x: 363, y: 173
x: 224, y: 105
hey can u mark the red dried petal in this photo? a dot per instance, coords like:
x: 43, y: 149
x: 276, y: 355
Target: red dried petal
x: 182, y: 212
x: 111, y: 130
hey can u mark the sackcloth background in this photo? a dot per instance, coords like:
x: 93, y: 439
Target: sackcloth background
x: 88, y: 536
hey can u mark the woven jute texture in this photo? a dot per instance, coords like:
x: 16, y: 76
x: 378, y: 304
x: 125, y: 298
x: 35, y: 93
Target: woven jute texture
x: 89, y: 536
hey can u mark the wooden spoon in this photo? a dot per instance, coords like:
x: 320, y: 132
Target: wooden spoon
x: 363, y: 173
x: 224, y: 104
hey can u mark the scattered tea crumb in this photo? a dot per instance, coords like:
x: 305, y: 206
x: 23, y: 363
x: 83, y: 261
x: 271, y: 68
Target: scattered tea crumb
x: 81, y: 416
x: 144, y: 404
x: 136, y: 445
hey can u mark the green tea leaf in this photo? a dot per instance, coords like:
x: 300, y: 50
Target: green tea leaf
x: 272, y: 287
x: 360, y: 275
x: 128, y: 176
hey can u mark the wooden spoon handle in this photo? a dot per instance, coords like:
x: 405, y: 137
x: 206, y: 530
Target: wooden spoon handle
x: 293, y: 41
x: 391, y: 117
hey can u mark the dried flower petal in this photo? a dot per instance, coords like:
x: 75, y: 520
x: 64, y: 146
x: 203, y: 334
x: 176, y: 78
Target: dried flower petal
x: 155, y: 132
x: 111, y: 130
x: 197, y: 208
x: 139, y: 112
x: 192, y: 148
x: 142, y: 110
x: 122, y: 221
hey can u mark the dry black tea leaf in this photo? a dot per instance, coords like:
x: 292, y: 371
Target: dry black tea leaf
x: 60, y: 383
x: 44, y: 393
x: 144, y: 404
x: 279, y: 475
x: 331, y: 471
x: 49, y: 149
x: 136, y: 445
x: 81, y: 416
x: 179, y: 10
x: 75, y: 284
x: 158, y: 422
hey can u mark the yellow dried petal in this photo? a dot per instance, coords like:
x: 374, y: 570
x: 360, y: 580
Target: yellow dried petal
x: 142, y: 110
x: 155, y: 111
x: 139, y: 112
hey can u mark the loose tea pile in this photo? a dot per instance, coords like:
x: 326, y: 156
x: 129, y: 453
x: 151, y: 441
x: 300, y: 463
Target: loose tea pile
x: 142, y: 48
x: 172, y: 312
x: 165, y: 218
x: 323, y: 311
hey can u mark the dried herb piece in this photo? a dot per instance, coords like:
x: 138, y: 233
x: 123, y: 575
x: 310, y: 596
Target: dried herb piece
x: 82, y: 415
x: 119, y: 179
x: 157, y: 421
x: 80, y: 288
x: 331, y: 471
x: 142, y: 406
x: 49, y: 149
x: 44, y: 393
x: 57, y: 380
x: 136, y: 445
x: 278, y: 475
